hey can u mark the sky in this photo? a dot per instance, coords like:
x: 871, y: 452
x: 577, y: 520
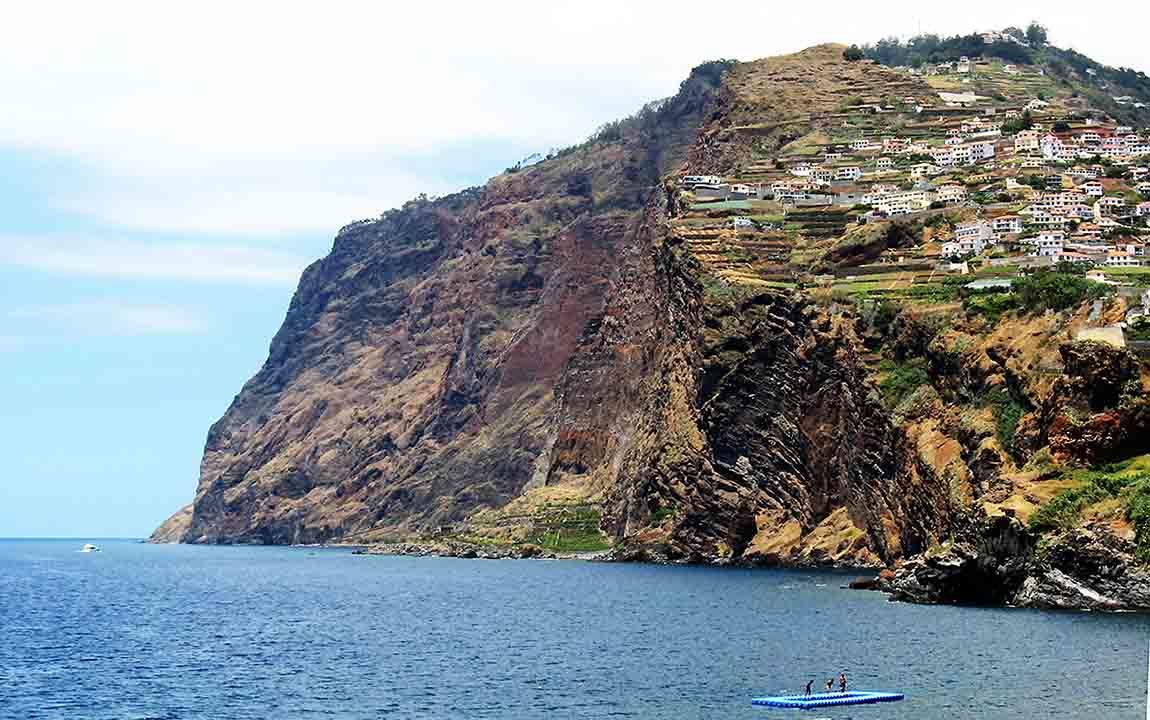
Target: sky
x: 167, y: 170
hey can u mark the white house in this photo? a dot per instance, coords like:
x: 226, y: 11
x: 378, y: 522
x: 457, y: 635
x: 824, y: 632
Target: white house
x: 849, y: 173
x: 951, y: 249
x: 1093, y: 189
x: 1026, y: 141
x: 1121, y: 258
x: 1049, y: 244
x: 950, y: 193
x: 1006, y: 224
x: 1112, y: 203
x: 822, y: 174
x: 973, y: 237
x: 962, y: 155
x: 982, y: 150
x: 1059, y: 201
x: 1051, y: 146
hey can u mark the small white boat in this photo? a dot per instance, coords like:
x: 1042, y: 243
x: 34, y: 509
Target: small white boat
x: 89, y: 547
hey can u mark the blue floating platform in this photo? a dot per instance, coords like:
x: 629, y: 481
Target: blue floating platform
x: 824, y: 700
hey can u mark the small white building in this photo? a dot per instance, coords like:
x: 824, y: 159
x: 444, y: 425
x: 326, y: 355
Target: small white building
x: 1122, y: 258
x: 1049, y: 244
x: 692, y: 180
x: 1026, y: 141
x: 1006, y: 225
x: 950, y: 193
x: 973, y: 237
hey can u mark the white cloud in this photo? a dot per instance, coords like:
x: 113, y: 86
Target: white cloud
x: 191, y: 262
x: 9, y: 343
x: 114, y: 318
x: 236, y: 117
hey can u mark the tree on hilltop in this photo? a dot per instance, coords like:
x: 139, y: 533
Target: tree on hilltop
x: 1036, y: 35
x: 1016, y: 33
x: 853, y: 53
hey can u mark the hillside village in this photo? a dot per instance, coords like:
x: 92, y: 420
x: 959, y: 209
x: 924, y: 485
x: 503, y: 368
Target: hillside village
x: 994, y: 169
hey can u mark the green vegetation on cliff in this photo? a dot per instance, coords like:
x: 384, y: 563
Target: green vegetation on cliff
x: 1064, y: 68
x: 1127, y: 482
x: 899, y: 380
x: 1057, y: 290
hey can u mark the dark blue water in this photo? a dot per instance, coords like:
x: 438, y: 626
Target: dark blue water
x: 141, y: 631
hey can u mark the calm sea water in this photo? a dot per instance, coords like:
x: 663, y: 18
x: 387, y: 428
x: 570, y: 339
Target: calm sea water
x: 140, y: 631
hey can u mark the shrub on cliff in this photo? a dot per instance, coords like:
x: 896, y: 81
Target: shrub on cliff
x: 1138, y: 513
x: 1139, y: 330
x: 901, y: 379
x: 1008, y: 413
x: 1127, y: 481
x: 991, y: 305
x: 1054, y: 290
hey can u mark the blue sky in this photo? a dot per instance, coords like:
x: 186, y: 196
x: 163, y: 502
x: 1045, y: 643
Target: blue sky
x: 166, y: 172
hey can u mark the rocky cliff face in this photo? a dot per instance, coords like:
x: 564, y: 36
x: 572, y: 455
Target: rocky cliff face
x: 544, y: 336
x: 772, y: 447
x: 554, y: 360
x: 454, y: 353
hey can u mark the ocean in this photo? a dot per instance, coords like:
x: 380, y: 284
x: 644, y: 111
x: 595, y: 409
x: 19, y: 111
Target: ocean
x: 180, y: 632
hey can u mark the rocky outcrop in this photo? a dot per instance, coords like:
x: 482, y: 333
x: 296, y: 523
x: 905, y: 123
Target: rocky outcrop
x: 1090, y: 567
x: 984, y: 564
x: 464, y: 550
x: 175, y: 528
x: 997, y: 561
x: 1098, y: 410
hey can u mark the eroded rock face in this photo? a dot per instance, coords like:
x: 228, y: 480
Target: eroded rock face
x: 998, y: 562
x: 1097, y: 411
x: 545, y: 330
